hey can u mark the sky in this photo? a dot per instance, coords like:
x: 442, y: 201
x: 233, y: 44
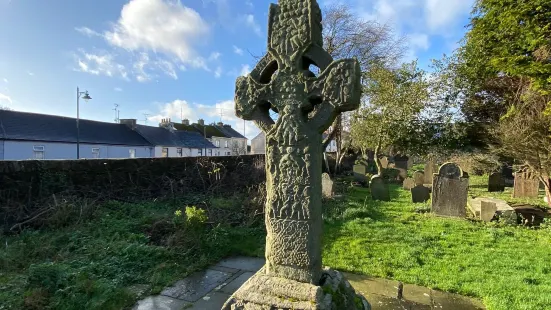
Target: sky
x: 160, y: 59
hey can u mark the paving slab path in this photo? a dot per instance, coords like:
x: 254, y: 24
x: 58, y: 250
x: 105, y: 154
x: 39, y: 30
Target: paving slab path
x: 209, y: 289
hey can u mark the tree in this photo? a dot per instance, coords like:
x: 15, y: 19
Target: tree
x: 394, y: 102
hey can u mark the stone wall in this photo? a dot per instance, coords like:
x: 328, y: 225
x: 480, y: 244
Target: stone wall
x: 27, y: 185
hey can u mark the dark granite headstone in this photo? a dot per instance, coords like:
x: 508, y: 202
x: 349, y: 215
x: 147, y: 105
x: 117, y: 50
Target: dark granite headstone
x: 496, y: 182
x: 419, y: 193
x: 449, y: 191
x: 379, y: 190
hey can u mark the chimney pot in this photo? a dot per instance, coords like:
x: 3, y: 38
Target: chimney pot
x: 185, y: 121
x: 220, y: 124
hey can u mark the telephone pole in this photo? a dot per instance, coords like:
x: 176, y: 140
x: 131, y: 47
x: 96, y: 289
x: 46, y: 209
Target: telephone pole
x: 117, y: 119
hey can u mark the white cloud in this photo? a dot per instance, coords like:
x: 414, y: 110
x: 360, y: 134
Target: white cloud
x: 218, y: 72
x: 419, y: 41
x: 87, y: 31
x: 30, y: 73
x: 5, y: 80
x: 245, y: 70
x: 161, y: 26
x: 237, y: 50
x: 214, y: 56
x: 102, y: 63
x: 5, y: 98
x: 250, y: 22
x: 117, y: 89
x: 442, y: 13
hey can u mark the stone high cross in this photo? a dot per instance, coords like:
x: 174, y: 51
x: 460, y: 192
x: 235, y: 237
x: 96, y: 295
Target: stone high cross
x: 307, y: 105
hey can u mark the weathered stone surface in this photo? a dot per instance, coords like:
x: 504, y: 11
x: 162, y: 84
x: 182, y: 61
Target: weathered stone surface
x: 420, y: 193
x: 526, y: 184
x: 496, y: 182
x: 262, y: 291
x: 384, y: 162
x: 360, y: 173
x: 197, y: 285
x: 236, y: 283
x: 327, y: 189
x: 430, y: 169
x: 252, y: 264
x: 449, y: 191
x: 379, y: 190
x: 160, y: 303
x: 487, y: 210
x: 307, y: 105
x: 419, y: 177
x: 408, y: 184
x: 503, y: 209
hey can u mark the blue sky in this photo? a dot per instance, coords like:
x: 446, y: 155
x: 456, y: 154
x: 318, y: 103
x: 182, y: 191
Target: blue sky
x: 165, y: 57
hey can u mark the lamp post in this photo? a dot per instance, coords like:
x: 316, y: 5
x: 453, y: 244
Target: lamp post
x: 86, y: 97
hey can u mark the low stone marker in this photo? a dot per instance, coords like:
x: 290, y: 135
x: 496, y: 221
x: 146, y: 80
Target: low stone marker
x: 496, y: 182
x: 359, y: 173
x: 526, y: 184
x: 430, y: 169
x: 379, y: 190
x: 326, y: 186
x: 482, y: 208
x: 419, y: 193
x: 408, y: 184
x: 449, y: 191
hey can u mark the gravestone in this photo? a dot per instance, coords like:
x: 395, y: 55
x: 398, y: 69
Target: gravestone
x: 293, y: 277
x: 419, y: 193
x: 449, y: 191
x: 384, y: 162
x: 379, y: 190
x: 526, y: 184
x: 326, y: 186
x: 401, y: 162
x: 410, y: 163
x: 408, y: 184
x: 430, y: 169
x: 487, y: 210
x: 496, y: 182
x: 359, y: 173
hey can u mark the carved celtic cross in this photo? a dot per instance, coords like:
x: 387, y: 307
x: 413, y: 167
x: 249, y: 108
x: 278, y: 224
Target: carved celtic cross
x: 307, y: 105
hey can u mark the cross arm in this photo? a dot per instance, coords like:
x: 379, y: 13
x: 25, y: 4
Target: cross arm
x: 252, y: 102
x: 339, y: 87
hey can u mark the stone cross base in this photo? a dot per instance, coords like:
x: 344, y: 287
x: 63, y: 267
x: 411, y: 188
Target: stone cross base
x: 263, y: 292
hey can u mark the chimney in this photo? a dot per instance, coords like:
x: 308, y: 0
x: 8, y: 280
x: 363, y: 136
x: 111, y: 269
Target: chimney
x: 185, y: 121
x: 130, y: 122
x: 220, y: 124
x: 201, y: 122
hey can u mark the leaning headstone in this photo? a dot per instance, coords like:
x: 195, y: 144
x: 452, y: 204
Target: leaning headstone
x: 487, y: 210
x: 408, y: 184
x: 379, y: 190
x: 419, y: 193
x: 293, y: 277
x: 360, y: 173
x: 526, y: 184
x: 384, y: 162
x: 430, y: 169
x: 503, y: 210
x: 449, y: 191
x: 326, y: 186
x: 496, y: 182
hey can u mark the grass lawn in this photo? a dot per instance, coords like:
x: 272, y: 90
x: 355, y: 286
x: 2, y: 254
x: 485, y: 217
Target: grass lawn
x: 506, y: 267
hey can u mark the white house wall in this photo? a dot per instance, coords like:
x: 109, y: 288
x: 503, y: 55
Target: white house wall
x: 23, y: 150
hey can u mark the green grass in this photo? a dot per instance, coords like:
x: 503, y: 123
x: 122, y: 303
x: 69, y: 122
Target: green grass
x: 95, y: 264
x: 507, y: 267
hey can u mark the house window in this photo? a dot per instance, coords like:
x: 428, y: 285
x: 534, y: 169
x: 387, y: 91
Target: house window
x: 95, y: 152
x: 132, y: 153
x: 38, y: 152
x: 228, y: 153
x: 164, y: 152
x: 200, y: 152
x: 179, y: 151
x: 226, y: 143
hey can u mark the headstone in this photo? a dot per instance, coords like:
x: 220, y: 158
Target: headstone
x: 410, y: 163
x: 430, y: 169
x: 293, y: 273
x: 402, y: 173
x: 408, y: 184
x: 526, y: 184
x: 401, y: 162
x: 487, y: 210
x: 496, y: 182
x: 379, y: 190
x: 419, y: 193
x: 326, y: 186
x: 384, y: 162
x: 360, y: 173
x: 449, y: 191
x: 503, y: 209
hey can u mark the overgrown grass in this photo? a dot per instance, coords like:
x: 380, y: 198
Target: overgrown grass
x: 508, y: 267
x: 102, y: 262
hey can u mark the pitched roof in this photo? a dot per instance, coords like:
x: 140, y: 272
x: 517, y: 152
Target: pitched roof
x: 179, y: 138
x: 41, y: 127
x: 208, y: 130
x: 229, y: 132
x: 193, y: 140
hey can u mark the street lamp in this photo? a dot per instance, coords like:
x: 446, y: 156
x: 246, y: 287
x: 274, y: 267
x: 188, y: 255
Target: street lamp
x: 86, y: 97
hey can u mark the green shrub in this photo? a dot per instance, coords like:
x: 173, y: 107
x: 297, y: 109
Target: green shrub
x: 48, y: 276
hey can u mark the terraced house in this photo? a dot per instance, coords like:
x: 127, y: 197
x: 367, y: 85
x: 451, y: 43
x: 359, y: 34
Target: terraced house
x: 228, y: 141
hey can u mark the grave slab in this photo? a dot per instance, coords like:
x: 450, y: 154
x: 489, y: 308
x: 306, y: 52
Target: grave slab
x: 160, y: 302
x: 196, y: 285
x: 502, y: 207
x: 252, y: 264
x: 236, y: 283
x: 211, y: 301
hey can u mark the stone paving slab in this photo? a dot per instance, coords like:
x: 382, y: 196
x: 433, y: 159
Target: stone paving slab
x: 231, y: 287
x: 160, y: 302
x: 196, y: 285
x: 252, y: 264
x: 212, y: 301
